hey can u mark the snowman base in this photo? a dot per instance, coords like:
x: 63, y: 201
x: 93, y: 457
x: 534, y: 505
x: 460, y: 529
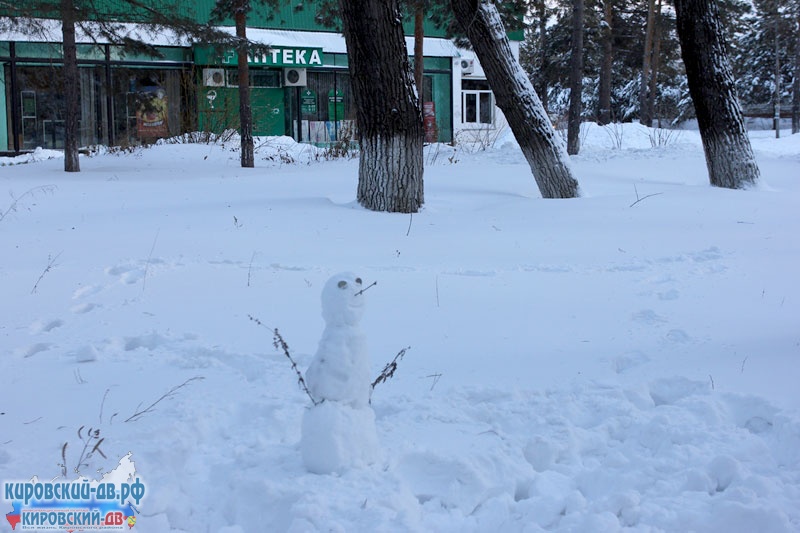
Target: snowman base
x: 336, y: 437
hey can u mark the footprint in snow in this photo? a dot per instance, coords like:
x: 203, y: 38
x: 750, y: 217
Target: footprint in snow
x: 84, y: 308
x: 671, y: 294
x: 678, y: 336
x: 88, y: 290
x: 648, y: 317
x: 45, y: 327
x: 33, y: 349
x: 126, y: 274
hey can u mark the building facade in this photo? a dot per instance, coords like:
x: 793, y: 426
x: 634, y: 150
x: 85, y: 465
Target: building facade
x: 300, y: 87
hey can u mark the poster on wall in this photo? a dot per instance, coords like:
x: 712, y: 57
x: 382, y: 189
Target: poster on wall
x: 429, y: 122
x: 151, y: 115
x: 308, y: 102
x: 335, y: 105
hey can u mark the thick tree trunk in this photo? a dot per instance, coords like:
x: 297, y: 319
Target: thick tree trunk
x: 245, y: 109
x: 575, y: 80
x: 387, y: 107
x: 729, y: 155
x: 72, y: 88
x: 604, y: 107
x: 515, y: 96
x: 644, y: 118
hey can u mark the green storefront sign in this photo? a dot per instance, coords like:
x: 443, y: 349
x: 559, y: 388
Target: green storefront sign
x: 274, y: 56
x: 308, y: 102
x: 335, y: 105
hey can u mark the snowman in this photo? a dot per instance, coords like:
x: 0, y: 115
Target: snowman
x: 338, y: 432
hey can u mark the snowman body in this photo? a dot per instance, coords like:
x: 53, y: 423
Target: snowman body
x: 340, y: 368
x: 339, y: 431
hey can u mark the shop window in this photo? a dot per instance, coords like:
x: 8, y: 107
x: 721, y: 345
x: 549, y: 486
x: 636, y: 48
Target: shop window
x: 147, y: 104
x: 325, y: 108
x: 477, y: 102
x: 269, y: 79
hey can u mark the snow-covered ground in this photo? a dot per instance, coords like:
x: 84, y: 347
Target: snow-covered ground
x: 589, y: 365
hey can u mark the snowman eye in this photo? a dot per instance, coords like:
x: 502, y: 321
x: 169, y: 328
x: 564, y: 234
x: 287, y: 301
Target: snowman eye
x: 342, y: 284
x: 358, y: 280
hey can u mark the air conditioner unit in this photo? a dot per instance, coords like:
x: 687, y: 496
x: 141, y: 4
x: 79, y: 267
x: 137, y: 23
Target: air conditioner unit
x: 467, y: 66
x: 214, y: 77
x: 294, y: 77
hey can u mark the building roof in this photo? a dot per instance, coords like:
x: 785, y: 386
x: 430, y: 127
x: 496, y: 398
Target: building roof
x: 330, y: 42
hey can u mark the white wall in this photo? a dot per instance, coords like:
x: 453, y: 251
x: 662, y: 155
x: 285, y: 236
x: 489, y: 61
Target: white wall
x: 460, y: 129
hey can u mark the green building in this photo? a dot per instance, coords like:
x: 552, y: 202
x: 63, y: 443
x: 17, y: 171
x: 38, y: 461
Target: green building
x: 300, y: 84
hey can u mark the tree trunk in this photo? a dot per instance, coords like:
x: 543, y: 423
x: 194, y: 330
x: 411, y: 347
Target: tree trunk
x: 728, y: 152
x: 72, y: 88
x: 419, y: 43
x: 776, y: 122
x: 544, y: 57
x: 387, y: 107
x: 575, y: 80
x: 245, y: 109
x: 515, y: 96
x: 604, y: 107
x: 654, y: 66
x: 644, y: 118
x: 796, y: 84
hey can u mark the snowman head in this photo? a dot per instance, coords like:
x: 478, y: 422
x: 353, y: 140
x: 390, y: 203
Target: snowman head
x: 343, y: 300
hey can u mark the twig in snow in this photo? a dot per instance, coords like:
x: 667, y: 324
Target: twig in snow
x: 29, y: 192
x: 712, y: 381
x: 102, y: 403
x: 139, y: 413
x: 51, y: 262
x: 743, y: 362
x: 410, y: 220
x: 436, y: 377
x: 250, y: 268
x: 149, y: 257
x: 643, y: 197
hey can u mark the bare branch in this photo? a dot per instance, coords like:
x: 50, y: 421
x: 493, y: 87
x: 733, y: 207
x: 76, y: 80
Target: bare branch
x: 279, y: 343
x: 139, y: 413
x: 50, y: 264
x: 390, y: 368
x: 643, y: 197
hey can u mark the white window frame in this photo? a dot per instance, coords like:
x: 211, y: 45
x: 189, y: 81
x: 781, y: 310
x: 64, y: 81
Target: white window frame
x: 477, y: 94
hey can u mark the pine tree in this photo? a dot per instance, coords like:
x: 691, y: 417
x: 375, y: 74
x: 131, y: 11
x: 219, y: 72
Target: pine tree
x: 72, y: 111
x: 796, y: 73
x: 763, y: 51
x: 614, y: 39
x: 644, y: 107
x: 239, y: 10
x: 575, y: 80
x: 606, y: 64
